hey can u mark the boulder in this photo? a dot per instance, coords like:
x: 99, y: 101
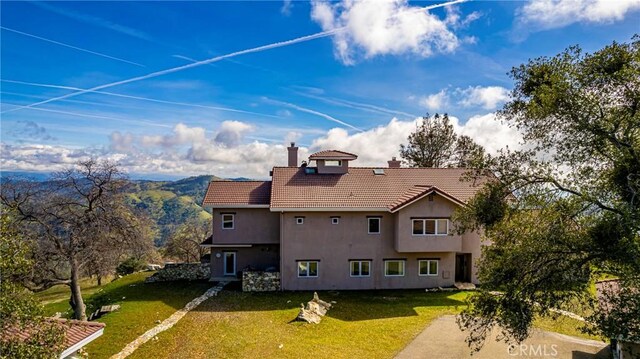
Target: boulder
x: 315, y: 309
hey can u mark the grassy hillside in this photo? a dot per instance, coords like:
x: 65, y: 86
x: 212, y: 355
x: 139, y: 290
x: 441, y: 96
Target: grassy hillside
x: 170, y: 203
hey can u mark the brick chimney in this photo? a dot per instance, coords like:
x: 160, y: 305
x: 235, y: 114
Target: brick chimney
x: 394, y: 163
x: 293, y: 155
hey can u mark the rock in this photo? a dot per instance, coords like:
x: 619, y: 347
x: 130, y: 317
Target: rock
x: 158, y: 321
x: 464, y: 286
x: 154, y: 267
x: 257, y: 281
x: 109, y: 308
x: 314, y: 311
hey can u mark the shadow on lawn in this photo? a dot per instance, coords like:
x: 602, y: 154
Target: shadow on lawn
x: 349, y: 306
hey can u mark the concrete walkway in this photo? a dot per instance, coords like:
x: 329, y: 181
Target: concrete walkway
x: 169, y: 322
x: 444, y: 340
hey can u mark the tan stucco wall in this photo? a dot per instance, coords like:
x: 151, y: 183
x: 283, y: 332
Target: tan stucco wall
x: 334, y: 245
x: 344, y: 168
x: 252, y: 226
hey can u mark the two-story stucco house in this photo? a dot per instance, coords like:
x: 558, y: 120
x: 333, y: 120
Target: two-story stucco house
x: 330, y: 225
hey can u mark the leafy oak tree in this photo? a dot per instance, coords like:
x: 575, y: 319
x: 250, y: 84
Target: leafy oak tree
x: 19, y: 310
x: 75, y: 217
x: 567, y: 209
x: 184, y: 242
x: 435, y: 144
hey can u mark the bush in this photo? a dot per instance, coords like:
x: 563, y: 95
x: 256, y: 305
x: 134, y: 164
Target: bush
x: 130, y: 265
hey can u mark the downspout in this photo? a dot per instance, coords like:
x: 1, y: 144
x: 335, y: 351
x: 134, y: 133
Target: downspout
x: 281, y: 251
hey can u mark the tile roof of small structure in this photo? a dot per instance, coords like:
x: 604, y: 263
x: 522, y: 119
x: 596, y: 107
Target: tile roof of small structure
x: 332, y: 154
x: 75, y: 331
x: 362, y: 188
x: 237, y: 193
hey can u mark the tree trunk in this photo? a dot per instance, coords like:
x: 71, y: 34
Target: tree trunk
x: 76, y: 301
x: 99, y: 280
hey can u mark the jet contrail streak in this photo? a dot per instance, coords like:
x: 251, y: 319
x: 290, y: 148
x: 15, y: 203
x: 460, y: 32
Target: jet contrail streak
x: 72, y: 47
x: 139, y: 98
x: 214, y: 59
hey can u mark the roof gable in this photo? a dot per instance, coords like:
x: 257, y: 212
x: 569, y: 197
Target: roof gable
x: 333, y: 155
x: 237, y: 193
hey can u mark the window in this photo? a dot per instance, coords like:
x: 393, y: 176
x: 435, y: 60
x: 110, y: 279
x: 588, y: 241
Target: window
x: 394, y: 268
x: 227, y: 221
x: 299, y: 220
x: 335, y: 220
x: 430, y: 227
x: 333, y: 163
x: 374, y: 225
x: 308, y: 269
x: 428, y: 267
x: 360, y: 268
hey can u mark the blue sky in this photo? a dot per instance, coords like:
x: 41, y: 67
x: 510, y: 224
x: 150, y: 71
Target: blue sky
x: 360, y: 88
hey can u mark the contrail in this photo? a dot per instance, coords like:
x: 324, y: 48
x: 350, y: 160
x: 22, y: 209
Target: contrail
x: 313, y: 112
x: 72, y: 47
x: 138, y: 98
x: 147, y: 123
x: 215, y: 59
x: 356, y: 105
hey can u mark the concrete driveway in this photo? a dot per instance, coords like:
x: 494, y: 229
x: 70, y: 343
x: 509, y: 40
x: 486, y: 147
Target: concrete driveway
x: 444, y: 340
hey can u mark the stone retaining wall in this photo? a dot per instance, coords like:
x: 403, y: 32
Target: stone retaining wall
x: 260, y: 281
x: 181, y: 271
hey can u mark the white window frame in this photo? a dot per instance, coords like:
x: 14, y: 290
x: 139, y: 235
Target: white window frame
x: 338, y: 163
x: 299, y: 220
x: 379, y: 225
x: 359, y: 262
x: 429, y: 274
x: 232, y: 220
x: 335, y: 220
x: 404, y: 269
x: 307, y: 263
x: 424, y: 226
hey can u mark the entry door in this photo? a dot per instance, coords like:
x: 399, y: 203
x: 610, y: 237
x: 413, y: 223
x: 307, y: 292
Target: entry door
x: 463, y: 268
x: 229, y: 263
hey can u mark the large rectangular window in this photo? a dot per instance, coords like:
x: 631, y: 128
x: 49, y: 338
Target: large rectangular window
x: 394, y: 268
x: 307, y: 268
x: 373, y: 224
x: 430, y: 227
x: 360, y: 268
x: 227, y: 221
x: 428, y: 267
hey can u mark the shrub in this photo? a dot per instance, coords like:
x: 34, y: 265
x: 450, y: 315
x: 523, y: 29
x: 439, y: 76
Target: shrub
x: 130, y: 265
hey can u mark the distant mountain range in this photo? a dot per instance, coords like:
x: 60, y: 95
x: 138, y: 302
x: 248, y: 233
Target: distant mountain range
x: 168, y: 202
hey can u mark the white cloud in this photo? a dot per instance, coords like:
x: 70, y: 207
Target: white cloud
x: 437, y: 101
x: 190, y: 151
x: 374, y: 28
x: 286, y: 7
x: 488, y: 97
x: 550, y: 14
x: 231, y: 133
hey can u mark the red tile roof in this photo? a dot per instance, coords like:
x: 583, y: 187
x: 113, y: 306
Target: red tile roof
x: 75, y: 331
x: 237, y: 193
x: 361, y: 188
x: 333, y: 155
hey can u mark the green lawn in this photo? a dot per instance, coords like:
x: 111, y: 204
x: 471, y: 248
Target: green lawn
x: 141, y: 305
x: 361, y: 324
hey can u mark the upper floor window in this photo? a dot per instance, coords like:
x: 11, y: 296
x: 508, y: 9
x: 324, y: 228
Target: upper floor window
x: 430, y: 227
x: 360, y: 268
x: 428, y: 267
x: 394, y: 268
x: 227, y: 221
x: 333, y: 163
x: 373, y: 225
x: 299, y: 220
x: 307, y: 268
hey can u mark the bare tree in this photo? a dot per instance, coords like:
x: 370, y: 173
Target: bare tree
x: 184, y: 242
x: 77, y: 216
